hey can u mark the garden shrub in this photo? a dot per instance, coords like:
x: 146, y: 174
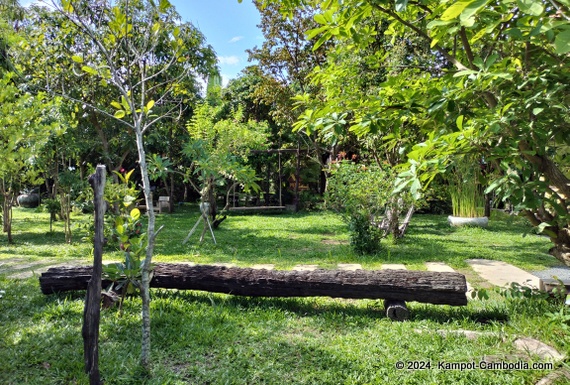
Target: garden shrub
x: 361, y: 193
x: 364, y: 237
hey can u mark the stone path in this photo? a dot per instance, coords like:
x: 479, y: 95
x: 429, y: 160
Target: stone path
x: 503, y: 274
x: 495, y: 272
x: 19, y: 268
x: 441, y: 267
x: 393, y: 266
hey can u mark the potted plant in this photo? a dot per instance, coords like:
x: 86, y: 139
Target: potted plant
x: 28, y: 199
x: 467, y: 197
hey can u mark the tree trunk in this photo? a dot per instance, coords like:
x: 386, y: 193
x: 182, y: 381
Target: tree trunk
x: 402, y: 285
x: 561, y: 249
x: 7, y: 213
x: 92, y: 310
x: 146, y: 265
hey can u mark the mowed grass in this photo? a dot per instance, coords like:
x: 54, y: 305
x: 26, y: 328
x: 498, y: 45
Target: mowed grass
x: 204, y: 338
x: 201, y: 338
x: 290, y: 239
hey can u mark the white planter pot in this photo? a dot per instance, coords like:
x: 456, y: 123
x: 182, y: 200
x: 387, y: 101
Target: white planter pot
x: 461, y: 221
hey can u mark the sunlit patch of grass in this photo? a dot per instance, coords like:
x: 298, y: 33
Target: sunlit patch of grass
x: 218, y: 339
x: 221, y: 339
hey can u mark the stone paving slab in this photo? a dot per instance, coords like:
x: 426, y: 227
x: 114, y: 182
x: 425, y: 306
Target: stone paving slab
x: 264, y: 266
x: 548, y: 280
x: 18, y: 274
x: 503, y: 274
x: 441, y: 267
x: 350, y: 266
x: 538, y: 348
x: 305, y: 267
x: 393, y: 266
x: 224, y: 264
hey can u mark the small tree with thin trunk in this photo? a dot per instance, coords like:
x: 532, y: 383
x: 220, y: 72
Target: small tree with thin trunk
x: 141, y: 52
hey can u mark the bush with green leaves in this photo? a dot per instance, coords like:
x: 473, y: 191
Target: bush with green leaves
x: 362, y: 194
x: 133, y: 240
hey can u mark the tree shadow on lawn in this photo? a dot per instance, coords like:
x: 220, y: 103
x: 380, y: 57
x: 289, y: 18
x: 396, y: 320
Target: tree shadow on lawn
x: 427, y: 224
x: 455, y: 253
x: 227, y: 329
x: 337, y: 311
x: 447, y: 245
x: 252, y: 246
x: 48, y: 253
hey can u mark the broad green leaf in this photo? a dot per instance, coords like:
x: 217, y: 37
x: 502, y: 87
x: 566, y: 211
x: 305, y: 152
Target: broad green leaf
x: 319, y: 18
x: 164, y: 5
x: 321, y: 41
x: 314, y: 32
x: 67, y: 6
x: 438, y: 23
x: 472, y: 9
x: 562, y: 42
x: 478, y: 62
x: 464, y: 73
x: 119, y: 114
x: 77, y: 59
x: 128, y: 175
x: 117, y: 105
x: 531, y: 7
x: 135, y: 214
x: 491, y: 60
x: 455, y: 10
x: 415, y: 189
x: 469, y: 22
x: 89, y: 70
x: 459, y: 122
x: 149, y: 105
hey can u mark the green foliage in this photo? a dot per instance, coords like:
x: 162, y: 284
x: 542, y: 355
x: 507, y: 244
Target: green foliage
x: 472, y: 77
x: 358, y: 189
x: 364, y: 236
x: 133, y: 241
x: 27, y: 121
x: 467, y: 197
x: 52, y: 206
x: 219, y: 149
x: 361, y: 193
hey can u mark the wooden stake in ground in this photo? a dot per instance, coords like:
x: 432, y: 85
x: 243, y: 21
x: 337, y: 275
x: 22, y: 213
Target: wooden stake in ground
x: 204, y: 213
x: 92, y: 310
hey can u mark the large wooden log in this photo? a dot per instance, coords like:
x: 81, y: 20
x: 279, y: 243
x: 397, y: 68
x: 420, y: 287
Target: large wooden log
x: 403, y: 285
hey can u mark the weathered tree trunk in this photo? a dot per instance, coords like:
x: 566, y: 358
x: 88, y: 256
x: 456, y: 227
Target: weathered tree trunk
x: 92, y: 310
x: 403, y: 285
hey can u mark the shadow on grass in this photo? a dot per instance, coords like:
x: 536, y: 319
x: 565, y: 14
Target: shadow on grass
x: 338, y: 310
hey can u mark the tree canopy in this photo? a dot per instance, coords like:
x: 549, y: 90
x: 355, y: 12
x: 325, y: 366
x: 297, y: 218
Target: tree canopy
x: 489, y: 78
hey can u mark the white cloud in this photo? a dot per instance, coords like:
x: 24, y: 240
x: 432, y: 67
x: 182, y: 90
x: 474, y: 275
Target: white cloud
x: 229, y: 60
x: 235, y: 39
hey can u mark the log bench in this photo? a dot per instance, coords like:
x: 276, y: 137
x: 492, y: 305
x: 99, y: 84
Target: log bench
x: 394, y: 286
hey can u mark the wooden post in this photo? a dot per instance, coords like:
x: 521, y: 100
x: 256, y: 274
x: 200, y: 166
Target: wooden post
x: 92, y: 310
x: 297, y: 177
x: 396, y: 310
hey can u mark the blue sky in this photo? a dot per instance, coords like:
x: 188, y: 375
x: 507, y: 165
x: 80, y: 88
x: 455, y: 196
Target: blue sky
x: 229, y: 27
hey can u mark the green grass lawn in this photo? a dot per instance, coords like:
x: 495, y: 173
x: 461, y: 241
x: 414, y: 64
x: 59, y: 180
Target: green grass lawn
x: 204, y: 338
